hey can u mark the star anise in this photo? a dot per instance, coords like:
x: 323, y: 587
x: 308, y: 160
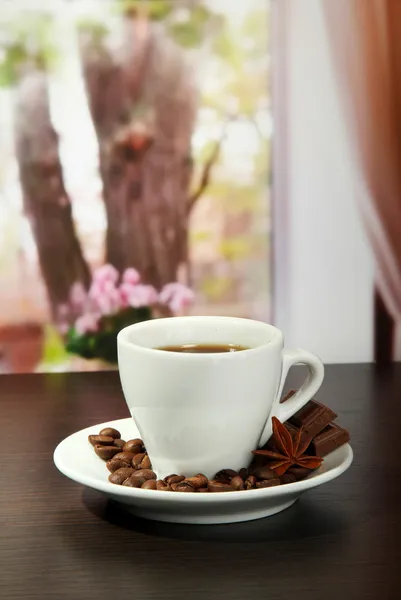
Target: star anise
x: 290, y: 451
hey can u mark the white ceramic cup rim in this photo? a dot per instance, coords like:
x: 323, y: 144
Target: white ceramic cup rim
x: 130, y: 336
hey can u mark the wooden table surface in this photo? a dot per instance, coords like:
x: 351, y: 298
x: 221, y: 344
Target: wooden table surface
x: 60, y: 541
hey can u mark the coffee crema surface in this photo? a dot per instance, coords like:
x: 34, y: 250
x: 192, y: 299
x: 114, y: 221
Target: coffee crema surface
x: 204, y: 348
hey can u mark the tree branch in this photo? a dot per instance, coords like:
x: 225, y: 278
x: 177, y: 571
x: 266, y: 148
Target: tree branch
x: 207, y: 170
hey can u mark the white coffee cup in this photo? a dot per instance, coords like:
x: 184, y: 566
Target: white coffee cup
x: 199, y: 413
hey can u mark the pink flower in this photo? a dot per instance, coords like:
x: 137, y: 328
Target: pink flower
x: 87, y: 323
x: 105, y: 274
x: 78, y: 296
x: 125, y: 290
x: 104, y: 297
x: 63, y: 328
x: 63, y: 311
x: 176, y: 296
x: 131, y: 276
x: 142, y: 295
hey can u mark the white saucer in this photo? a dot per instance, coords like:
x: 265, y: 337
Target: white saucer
x: 75, y: 458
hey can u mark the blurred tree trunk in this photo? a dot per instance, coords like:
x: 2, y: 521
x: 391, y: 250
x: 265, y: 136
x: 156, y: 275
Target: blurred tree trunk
x: 45, y: 199
x: 143, y: 104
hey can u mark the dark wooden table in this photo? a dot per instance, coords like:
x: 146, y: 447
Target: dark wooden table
x: 60, y: 541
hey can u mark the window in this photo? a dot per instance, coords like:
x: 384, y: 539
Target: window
x: 137, y: 133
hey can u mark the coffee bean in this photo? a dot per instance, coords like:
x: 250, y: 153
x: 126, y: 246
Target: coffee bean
x: 101, y: 440
x: 125, y: 456
x: 299, y: 472
x: 250, y: 482
x: 243, y: 473
x: 113, y: 464
x: 183, y: 486
x: 263, y: 472
x: 258, y: 460
x: 288, y: 478
x: 162, y: 486
x: 137, y: 459
x: 268, y: 483
x: 119, y: 443
x: 219, y: 486
x: 106, y: 452
x: 149, y: 484
x: 169, y: 479
x: 237, y: 483
x: 203, y: 490
x: 145, y: 474
x: 225, y: 475
x: 145, y: 463
x: 120, y: 475
x: 132, y: 482
x: 198, y: 481
x: 114, y: 433
x: 134, y: 446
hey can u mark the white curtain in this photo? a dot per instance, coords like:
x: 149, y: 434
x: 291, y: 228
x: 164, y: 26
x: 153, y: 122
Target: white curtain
x: 365, y: 38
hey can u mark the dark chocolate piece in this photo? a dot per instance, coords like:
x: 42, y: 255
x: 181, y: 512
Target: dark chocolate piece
x: 313, y: 418
x: 299, y: 472
x: 287, y: 396
x: 331, y: 438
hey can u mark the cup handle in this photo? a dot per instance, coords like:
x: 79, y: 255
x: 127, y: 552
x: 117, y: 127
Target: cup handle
x: 308, y: 389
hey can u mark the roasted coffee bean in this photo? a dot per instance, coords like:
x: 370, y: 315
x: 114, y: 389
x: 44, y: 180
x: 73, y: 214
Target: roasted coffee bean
x: 106, y: 452
x: 263, y: 472
x: 132, y: 482
x: 183, y: 486
x: 173, y: 479
x: 145, y: 474
x: 243, y: 473
x: 120, y: 475
x: 115, y: 463
x: 250, y: 482
x: 288, y: 478
x: 268, y: 483
x: 237, y: 483
x: 125, y: 456
x: 258, y: 460
x: 198, y: 481
x: 114, y: 433
x: 119, y: 443
x: 162, y: 486
x: 145, y: 463
x: 299, y: 472
x: 149, y: 484
x: 101, y: 440
x: 219, y: 486
x: 202, y: 491
x: 137, y: 459
x: 225, y: 475
x: 134, y: 446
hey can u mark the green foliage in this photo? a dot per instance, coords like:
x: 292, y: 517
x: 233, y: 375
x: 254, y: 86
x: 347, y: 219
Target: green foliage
x: 215, y: 287
x: 242, y: 52
x: 188, y: 23
x: 235, y: 198
x: 255, y: 28
x: 54, y: 351
x: 197, y: 237
x: 25, y: 41
x: 103, y: 344
x: 236, y: 248
x: 95, y: 29
x: 157, y: 10
x: 227, y: 48
x: 207, y: 150
x: 192, y: 31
